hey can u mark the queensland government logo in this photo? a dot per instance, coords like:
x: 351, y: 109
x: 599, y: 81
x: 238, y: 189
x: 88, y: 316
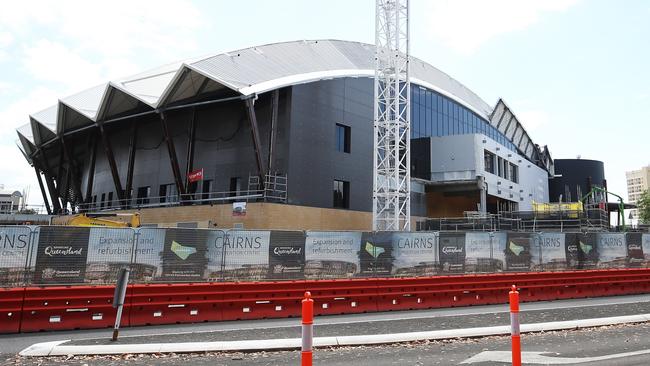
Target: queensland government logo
x: 182, y: 251
x: 374, y: 250
x: 516, y: 249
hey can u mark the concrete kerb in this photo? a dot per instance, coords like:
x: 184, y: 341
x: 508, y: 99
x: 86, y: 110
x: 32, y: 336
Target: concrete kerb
x: 58, y: 348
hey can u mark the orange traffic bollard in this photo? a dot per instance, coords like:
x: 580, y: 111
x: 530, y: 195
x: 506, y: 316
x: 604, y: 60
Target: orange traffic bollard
x: 514, y: 326
x: 307, y: 329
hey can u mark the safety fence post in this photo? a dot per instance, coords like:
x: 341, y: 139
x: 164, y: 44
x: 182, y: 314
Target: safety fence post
x: 514, y: 326
x: 307, y: 329
x: 118, y: 299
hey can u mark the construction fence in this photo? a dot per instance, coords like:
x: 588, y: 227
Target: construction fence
x: 59, y: 255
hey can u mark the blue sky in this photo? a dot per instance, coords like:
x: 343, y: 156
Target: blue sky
x: 576, y: 72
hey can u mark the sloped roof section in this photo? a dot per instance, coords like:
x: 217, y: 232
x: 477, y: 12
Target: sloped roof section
x: 148, y: 86
x: 505, y: 120
x: 244, y: 72
x: 47, y: 117
x: 247, y: 72
x: 86, y: 102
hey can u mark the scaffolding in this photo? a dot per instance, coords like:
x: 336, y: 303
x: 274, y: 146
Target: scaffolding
x: 391, y: 204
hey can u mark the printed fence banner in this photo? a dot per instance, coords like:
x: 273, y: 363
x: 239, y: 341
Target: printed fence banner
x: 548, y: 252
x: 612, y: 250
x: 645, y: 246
x: 238, y: 255
x: 376, y: 255
x: 451, y: 254
x: 147, y: 263
x: 287, y: 255
x: 108, y: 251
x: 517, y: 252
x: 184, y: 256
x: 61, y: 255
x: 332, y: 254
x: 415, y: 254
x: 583, y: 249
x: 14, y: 255
x: 635, y: 258
x: 485, y: 252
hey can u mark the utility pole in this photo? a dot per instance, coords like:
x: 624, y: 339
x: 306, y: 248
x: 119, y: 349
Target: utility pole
x: 391, y: 194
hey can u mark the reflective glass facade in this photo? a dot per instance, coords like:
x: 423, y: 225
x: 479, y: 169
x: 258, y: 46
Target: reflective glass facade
x: 433, y: 114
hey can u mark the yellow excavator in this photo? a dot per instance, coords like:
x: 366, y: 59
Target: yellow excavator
x: 96, y: 220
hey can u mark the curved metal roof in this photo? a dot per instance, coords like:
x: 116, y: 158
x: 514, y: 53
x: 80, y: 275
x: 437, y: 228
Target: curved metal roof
x: 243, y: 72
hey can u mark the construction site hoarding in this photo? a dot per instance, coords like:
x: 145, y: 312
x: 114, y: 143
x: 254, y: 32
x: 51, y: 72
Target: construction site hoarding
x: 332, y: 254
x: 76, y: 255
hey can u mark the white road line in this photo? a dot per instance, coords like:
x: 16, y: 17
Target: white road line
x: 541, y: 358
x: 59, y: 348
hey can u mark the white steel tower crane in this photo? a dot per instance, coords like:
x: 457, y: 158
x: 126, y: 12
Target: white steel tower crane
x: 391, y: 199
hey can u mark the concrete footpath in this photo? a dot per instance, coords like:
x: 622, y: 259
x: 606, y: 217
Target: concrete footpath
x: 362, y: 329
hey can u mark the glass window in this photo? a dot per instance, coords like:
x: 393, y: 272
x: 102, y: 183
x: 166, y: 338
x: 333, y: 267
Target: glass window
x: 343, y: 138
x: 101, y: 203
x: 235, y: 186
x: 514, y: 173
x: 341, y: 194
x: 423, y: 120
x: 162, y: 193
x: 434, y: 102
x: 489, y: 161
x: 500, y: 167
x: 429, y: 122
x: 414, y: 119
x: 143, y: 195
x: 206, y: 189
x: 110, y: 199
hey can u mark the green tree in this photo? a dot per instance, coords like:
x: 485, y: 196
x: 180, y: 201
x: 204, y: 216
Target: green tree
x: 643, y: 205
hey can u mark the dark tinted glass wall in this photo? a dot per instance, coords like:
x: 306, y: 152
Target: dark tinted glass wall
x: 433, y: 114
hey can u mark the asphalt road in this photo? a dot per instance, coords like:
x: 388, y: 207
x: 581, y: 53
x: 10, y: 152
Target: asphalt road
x: 446, y: 352
x: 605, y: 341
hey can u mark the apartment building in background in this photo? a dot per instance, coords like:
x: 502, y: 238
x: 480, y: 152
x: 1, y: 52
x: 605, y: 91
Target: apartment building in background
x: 638, y: 181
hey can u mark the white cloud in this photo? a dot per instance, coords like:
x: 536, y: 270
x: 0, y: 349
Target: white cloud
x: 6, y: 39
x: 52, y: 61
x: 116, y: 28
x: 16, y: 172
x: 17, y: 112
x: 61, y: 47
x: 465, y: 25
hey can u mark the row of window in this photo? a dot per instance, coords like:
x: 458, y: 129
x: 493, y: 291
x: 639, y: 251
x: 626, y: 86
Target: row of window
x: 433, y: 114
x: 501, y: 167
x: 633, y: 189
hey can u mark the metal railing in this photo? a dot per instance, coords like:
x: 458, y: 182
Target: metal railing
x: 199, y: 198
x: 273, y: 189
x: 526, y: 221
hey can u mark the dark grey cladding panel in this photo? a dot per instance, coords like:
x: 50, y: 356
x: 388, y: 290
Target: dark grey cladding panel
x: 314, y: 161
x: 223, y: 146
